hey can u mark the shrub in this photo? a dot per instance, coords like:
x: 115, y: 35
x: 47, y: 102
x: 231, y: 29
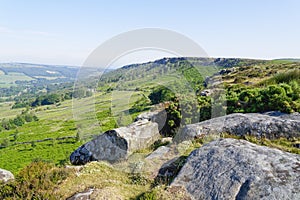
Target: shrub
x: 36, y: 181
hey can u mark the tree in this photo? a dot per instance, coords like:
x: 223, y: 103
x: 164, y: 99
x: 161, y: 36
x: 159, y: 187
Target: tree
x: 19, y: 121
x: 161, y: 94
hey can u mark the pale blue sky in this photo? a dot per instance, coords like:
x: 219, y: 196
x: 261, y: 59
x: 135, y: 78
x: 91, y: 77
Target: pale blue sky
x: 67, y: 31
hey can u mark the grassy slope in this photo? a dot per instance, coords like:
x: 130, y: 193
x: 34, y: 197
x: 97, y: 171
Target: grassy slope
x: 255, y: 74
x: 105, y: 111
x: 111, y: 111
x: 56, y: 122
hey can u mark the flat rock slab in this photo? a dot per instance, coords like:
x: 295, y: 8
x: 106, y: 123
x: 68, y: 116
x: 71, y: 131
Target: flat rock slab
x: 237, y: 169
x: 270, y: 125
x: 118, y: 144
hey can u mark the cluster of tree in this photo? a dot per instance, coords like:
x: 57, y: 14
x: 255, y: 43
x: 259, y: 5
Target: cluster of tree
x: 49, y: 99
x: 19, y: 120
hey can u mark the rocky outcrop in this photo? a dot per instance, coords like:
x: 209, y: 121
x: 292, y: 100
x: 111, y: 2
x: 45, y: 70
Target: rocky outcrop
x: 269, y: 125
x: 117, y: 144
x: 6, y: 176
x: 237, y: 169
x: 157, y: 116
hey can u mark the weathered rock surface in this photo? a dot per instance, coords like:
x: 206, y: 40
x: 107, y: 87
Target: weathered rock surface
x: 117, y: 144
x: 6, y: 176
x: 270, y: 125
x: 82, y: 195
x: 158, y: 116
x: 237, y: 169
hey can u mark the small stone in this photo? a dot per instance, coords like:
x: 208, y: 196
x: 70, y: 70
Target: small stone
x: 6, y: 176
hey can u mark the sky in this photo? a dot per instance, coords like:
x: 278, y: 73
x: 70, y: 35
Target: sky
x: 65, y: 32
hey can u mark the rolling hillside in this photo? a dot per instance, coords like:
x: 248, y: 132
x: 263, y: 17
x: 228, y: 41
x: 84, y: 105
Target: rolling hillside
x: 121, y: 95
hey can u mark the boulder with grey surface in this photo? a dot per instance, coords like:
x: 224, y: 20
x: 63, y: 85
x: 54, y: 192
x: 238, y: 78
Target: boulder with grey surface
x: 237, y: 169
x: 6, y: 176
x: 118, y: 144
x: 269, y: 125
x: 158, y: 116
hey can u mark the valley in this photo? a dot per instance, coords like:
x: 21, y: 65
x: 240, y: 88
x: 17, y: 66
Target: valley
x: 61, y: 118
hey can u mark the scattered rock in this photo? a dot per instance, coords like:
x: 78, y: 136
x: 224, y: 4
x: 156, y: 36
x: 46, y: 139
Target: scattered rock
x: 237, y: 169
x: 6, y: 176
x: 164, y: 163
x: 167, y: 140
x: 117, y: 144
x: 159, y: 153
x: 169, y: 170
x: 156, y: 159
x: 205, y: 93
x: 270, y: 125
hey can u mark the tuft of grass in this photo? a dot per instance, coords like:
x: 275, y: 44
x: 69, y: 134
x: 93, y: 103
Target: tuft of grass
x: 165, y: 192
x: 284, y: 144
x: 283, y: 77
x: 103, y: 176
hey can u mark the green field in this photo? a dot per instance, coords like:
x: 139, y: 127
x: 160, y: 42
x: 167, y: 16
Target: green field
x: 57, y: 121
x: 9, y: 79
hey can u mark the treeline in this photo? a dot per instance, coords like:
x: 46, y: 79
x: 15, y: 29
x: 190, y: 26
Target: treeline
x: 49, y: 99
x: 19, y: 120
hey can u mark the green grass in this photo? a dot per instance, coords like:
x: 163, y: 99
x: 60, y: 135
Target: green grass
x: 112, y: 182
x: 7, y: 112
x: 95, y: 114
x: 283, y: 144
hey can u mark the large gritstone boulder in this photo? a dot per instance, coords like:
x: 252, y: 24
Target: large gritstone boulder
x: 118, y: 144
x: 270, y: 125
x: 237, y: 169
x: 157, y: 116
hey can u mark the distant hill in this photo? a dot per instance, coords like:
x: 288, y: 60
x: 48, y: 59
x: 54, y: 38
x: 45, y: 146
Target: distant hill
x: 12, y: 74
x: 289, y: 59
x: 171, y: 71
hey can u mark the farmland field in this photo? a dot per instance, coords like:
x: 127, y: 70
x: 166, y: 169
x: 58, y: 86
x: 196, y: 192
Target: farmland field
x: 56, y: 123
x: 9, y: 79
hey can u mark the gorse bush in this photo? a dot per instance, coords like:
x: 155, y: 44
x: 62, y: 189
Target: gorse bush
x: 282, y: 97
x: 285, y: 77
